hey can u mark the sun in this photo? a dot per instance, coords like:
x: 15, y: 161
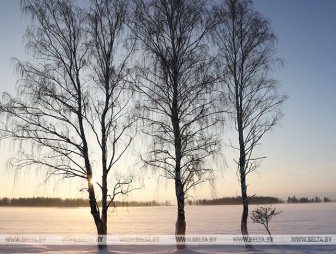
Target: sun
x: 95, y: 179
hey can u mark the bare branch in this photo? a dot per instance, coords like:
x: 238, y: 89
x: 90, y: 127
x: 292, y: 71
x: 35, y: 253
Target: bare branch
x: 176, y: 82
x: 73, y: 100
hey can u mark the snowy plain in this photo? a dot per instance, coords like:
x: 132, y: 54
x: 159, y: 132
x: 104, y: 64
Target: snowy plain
x: 299, y: 219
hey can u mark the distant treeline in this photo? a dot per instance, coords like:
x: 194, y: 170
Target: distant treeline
x: 40, y: 201
x: 309, y: 200
x: 77, y: 202
x: 259, y: 200
x: 255, y: 200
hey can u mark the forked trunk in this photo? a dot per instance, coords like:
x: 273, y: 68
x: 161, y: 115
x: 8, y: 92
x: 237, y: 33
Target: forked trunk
x: 100, y: 224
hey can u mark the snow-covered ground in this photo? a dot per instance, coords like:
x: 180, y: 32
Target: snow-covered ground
x: 300, y: 219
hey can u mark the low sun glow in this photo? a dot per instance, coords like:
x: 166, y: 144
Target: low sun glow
x: 94, y: 179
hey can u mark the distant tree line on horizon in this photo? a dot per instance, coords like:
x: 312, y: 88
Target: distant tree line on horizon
x: 259, y: 200
x: 309, y: 200
x: 76, y: 202
x: 80, y: 202
x: 237, y: 201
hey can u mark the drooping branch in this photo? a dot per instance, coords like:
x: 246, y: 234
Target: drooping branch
x: 176, y: 81
x: 74, y: 101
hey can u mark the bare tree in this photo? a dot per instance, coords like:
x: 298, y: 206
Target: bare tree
x: 176, y: 81
x: 110, y: 117
x: 73, y: 101
x: 263, y: 215
x: 246, y: 49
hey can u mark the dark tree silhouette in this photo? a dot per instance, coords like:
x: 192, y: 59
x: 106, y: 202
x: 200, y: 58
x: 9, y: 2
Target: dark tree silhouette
x: 263, y: 215
x: 246, y: 47
x: 176, y: 81
x: 72, y: 105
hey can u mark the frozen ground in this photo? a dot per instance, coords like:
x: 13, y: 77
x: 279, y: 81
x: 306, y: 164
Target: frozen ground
x: 298, y: 219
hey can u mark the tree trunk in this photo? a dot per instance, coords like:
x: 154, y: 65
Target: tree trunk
x: 102, y: 232
x: 180, y: 229
x: 245, y: 209
x: 180, y: 226
x: 104, y: 206
x: 268, y: 232
x: 243, y: 225
x: 242, y: 171
x: 100, y: 224
x: 242, y: 163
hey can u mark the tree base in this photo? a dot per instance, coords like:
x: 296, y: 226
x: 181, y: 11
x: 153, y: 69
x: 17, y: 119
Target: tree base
x: 180, y: 229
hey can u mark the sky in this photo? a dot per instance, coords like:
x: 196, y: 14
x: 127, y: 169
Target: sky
x: 300, y: 152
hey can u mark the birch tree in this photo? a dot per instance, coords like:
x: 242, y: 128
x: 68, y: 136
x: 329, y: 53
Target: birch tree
x: 72, y: 102
x: 176, y: 81
x: 246, y: 49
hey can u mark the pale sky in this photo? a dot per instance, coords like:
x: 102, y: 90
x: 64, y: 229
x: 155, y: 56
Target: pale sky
x: 301, y: 153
